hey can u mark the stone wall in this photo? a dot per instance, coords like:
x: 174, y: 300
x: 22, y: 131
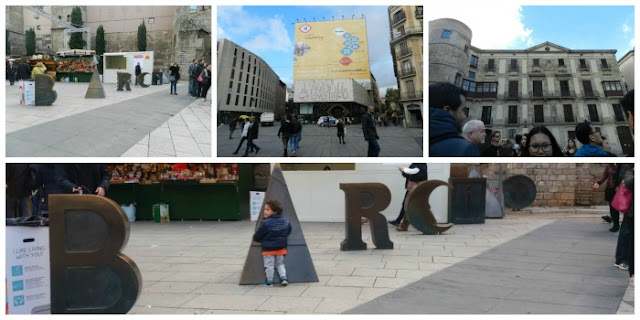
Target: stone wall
x: 558, y: 184
x: 14, y: 21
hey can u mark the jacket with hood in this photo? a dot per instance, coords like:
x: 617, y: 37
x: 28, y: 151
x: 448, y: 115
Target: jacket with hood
x: 444, y: 138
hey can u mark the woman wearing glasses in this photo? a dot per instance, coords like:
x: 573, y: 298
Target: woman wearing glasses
x: 541, y: 143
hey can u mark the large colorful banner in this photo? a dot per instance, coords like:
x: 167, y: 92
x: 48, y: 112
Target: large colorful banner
x: 331, y: 50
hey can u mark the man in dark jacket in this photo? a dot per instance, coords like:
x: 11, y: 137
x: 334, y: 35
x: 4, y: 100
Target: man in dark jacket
x: 24, y: 71
x: 20, y: 183
x: 83, y: 178
x: 11, y: 73
x: 286, y: 129
x: 370, y: 133
x: 251, y: 135
x: 446, y: 116
x: 138, y: 71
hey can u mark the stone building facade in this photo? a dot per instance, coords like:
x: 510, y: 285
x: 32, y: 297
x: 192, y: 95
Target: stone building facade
x: 175, y: 33
x: 512, y: 91
x: 627, y: 65
x: 406, y: 44
x: 558, y: 184
x: 246, y: 83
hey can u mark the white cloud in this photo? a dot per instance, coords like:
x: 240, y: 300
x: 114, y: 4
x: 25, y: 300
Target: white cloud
x: 272, y: 38
x: 625, y: 28
x: 240, y: 26
x: 502, y: 28
x: 221, y: 33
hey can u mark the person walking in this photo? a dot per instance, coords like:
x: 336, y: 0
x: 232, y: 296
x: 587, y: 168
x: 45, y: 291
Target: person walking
x: 296, y: 135
x: 252, y: 135
x: 174, y: 76
x: 232, y: 127
x: 11, y: 73
x: 284, y: 133
x: 206, y: 82
x: 244, y: 135
x: 340, y: 126
x: 192, y: 77
x: 415, y: 173
x: 370, y: 133
x: 609, y: 192
x: 138, y: 71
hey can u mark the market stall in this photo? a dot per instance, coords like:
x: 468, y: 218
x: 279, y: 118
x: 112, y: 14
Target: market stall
x: 74, y: 65
x: 192, y: 191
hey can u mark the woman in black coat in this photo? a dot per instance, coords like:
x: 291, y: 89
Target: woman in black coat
x: 206, y: 82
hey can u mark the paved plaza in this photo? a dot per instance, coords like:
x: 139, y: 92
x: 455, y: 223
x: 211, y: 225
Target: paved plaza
x: 519, y: 264
x: 138, y: 123
x: 395, y: 141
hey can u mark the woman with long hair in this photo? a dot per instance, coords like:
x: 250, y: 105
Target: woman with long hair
x: 571, y: 148
x: 541, y: 143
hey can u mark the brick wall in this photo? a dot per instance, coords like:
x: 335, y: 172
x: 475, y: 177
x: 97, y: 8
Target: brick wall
x: 558, y: 184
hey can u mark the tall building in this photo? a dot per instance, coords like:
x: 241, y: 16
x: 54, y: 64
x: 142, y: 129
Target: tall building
x: 175, y: 33
x: 246, y: 83
x: 407, y: 52
x: 626, y: 64
x: 512, y: 91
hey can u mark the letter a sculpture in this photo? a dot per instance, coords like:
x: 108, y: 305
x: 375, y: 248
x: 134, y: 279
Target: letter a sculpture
x: 298, y: 257
x: 89, y: 274
x: 95, y: 90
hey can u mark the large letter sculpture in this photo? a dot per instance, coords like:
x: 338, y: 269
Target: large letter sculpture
x: 88, y: 272
x: 95, y: 90
x: 298, y: 259
x: 365, y: 200
x: 45, y: 95
x: 418, y: 209
x: 124, y: 80
x: 141, y: 79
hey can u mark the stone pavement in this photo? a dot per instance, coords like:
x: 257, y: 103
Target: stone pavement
x: 74, y: 126
x: 194, y: 267
x: 395, y: 141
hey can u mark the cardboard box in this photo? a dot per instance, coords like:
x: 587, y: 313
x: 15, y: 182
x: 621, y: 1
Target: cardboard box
x: 28, y: 271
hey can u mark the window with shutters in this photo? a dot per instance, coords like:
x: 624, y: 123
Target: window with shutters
x: 588, y: 91
x: 619, y: 114
x: 513, y: 114
x: 564, y: 88
x: 491, y: 65
x: 486, y: 115
x: 514, y: 65
x: 513, y: 89
x: 537, y: 88
x: 583, y: 64
x: 474, y: 62
x: 593, y: 113
x: 536, y: 62
x: 605, y: 65
x: 568, y: 113
x: 538, y: 111
x: 561, y: 62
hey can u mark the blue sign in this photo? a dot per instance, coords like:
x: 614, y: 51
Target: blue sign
x: 355, y: 46
x: 347, y: 35
x: 346, y: 51
x: 18, y: 301
x: 16, y: 271
x: 18, y: 285
x: 354, y: 39
x: 347, y: 43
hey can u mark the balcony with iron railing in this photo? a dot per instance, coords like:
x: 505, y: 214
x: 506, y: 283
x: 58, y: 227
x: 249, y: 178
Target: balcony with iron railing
x: 419, y: 12
x: 400, y: 36
x: 407, y: 72
x: 482, y: 95
x: 614, y: 93
x: 410, y: 95
x: 398, y: 19
x: 403, y: 52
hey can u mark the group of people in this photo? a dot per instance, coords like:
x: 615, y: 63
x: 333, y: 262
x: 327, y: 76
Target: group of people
x: 250, y: 129
x: 199, y: 78
x: 29, y: 185
x: 451, y: 135
x: 24, y: 71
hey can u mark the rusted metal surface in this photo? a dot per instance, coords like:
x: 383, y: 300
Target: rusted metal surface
x: 365, y: 200
x: 467, y: 200
x: 89, y: 274
x: 45, y: 95
x: 519, y: 192
x: 298, y: 260
x: 124, y: 80
x: 418, y: 209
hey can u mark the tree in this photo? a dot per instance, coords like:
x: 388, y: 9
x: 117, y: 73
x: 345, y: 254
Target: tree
x: 76, y: 41
x: 392, y: 97
x: 8, y: 44
x: 101, y: 45
x: 30, y: 41
x: 142, y: 37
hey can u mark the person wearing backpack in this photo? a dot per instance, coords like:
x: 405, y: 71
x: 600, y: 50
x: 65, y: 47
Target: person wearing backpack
x: 446, y: 116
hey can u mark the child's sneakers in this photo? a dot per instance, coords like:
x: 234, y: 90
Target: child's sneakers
x: 284, y: 282
x: 267, y: 283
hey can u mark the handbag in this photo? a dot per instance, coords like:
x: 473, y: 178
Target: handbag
x: 622, y: 199
x: 172, y: 78
x: 200, y: 78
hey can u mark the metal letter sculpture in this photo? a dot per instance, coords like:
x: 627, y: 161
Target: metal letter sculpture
x: 124, y: 80
x: 365, y: 200
x: 298, y: 260
x: 88, y: 272
x: 467, y: 200
x: 418, y: 209
x: 141, y: 79
x: 95, y: 90
x: 45, y: 95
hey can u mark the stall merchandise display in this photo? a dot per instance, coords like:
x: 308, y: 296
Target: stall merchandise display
x: 149, y: 173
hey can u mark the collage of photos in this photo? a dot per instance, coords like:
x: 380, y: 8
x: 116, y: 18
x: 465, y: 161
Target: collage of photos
x: 125, y: 199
